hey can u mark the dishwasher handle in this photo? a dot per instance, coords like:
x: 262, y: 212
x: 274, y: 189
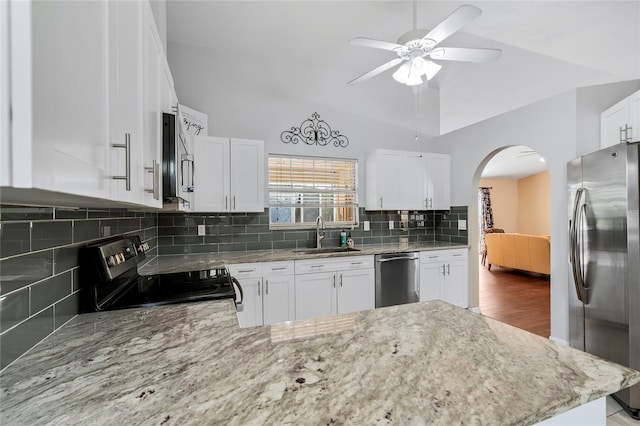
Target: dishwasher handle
x: 389, y: 259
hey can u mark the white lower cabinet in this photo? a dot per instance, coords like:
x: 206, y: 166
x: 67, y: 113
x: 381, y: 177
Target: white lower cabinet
x: 268, y: 292
x: 333, y: 286
x: 444, y: 275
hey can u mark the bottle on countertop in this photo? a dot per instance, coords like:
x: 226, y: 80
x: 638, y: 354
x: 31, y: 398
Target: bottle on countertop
x: 343, y: 238
x: 349, y: 241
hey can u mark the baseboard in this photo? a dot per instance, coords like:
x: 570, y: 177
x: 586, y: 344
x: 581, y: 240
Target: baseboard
x: 559, y: 341
x: 475, y: 309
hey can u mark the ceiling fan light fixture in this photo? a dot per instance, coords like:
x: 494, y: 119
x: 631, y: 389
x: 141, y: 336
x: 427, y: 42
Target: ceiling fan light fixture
x: 414, y: 80
x: 403, y: 73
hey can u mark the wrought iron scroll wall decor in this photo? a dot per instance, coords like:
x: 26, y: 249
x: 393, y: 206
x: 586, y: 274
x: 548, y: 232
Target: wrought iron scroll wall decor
x: 314, y: 131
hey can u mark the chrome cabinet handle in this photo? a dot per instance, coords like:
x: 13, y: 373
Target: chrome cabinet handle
x: 259, y: 288
x: 317, y: 266
x: 334, y: 280
x: 127, y: 149
x: 154, y: 170
x: 380, y: 202
x: 357, y: 263
x: 430, y: 202
x: 340, y: 280
x: 226, y: 202
x: 448, y: 269
x: 627, y: 133
x: 426, y: 203
x: 443, y: 269
x: 242, y: 271
x: 266, y: 287
x: 621, y: 138
x: 458, y: 255
x: 283, y: 268
x: 234, y: 202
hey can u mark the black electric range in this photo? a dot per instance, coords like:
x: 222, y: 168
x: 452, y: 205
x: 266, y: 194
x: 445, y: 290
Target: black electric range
x: 109, y: 272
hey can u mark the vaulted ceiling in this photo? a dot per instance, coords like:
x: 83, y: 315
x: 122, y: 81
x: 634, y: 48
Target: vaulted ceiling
x: 300, y: 50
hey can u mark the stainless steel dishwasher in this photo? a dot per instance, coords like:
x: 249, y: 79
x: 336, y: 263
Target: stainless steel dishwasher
x: 397, y: 278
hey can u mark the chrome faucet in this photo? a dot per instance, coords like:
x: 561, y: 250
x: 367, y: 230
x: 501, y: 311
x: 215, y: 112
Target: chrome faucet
x: 319, y: 235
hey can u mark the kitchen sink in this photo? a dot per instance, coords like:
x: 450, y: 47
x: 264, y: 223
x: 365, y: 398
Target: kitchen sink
x: 325, y: 250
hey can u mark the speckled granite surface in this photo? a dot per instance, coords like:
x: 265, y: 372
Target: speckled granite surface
x: 422, y: 363
x: 195, y: 262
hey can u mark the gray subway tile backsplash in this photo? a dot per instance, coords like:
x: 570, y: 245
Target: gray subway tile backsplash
x: 39, y: 266
x: 250, y: 231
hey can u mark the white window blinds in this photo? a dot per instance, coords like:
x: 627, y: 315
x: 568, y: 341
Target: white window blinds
x: 303, y: 188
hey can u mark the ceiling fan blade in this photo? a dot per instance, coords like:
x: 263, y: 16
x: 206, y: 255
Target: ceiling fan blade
x: 452, y: 23
x: 465, y: 54
x: 377, y: 44
x: 366, y: 76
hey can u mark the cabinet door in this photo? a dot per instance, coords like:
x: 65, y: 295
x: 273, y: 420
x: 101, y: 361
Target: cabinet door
x: 247, y: 176
x: 152, y: 112
x: 356, y: 290
x: 634, y: 118
x: 315, y: 295
x: 126, y: 101
x: 400, y: 180
x: 456, y: 284
x: 65, y: 103
x: 278, y: 299
x: 611, y: 121
x: 211, y: 179
x: 251, y: 314
x: 431, y: 281
x: 438, y: 181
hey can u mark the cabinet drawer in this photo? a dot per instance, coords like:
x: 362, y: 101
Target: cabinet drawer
x: 333, y: 264
x: 434, y: 256
x: 278, y: 268
x: 246, y: 270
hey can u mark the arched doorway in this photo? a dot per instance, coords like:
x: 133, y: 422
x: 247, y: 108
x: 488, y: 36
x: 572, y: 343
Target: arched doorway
x: 514, y: 203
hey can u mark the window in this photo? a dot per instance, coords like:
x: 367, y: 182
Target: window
x: 303, y: 188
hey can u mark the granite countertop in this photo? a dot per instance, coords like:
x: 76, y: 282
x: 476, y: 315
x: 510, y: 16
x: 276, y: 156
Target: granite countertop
x: 421, y: 363
x: 164, y: 264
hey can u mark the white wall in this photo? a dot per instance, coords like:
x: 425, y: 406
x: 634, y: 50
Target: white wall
x: 547, y: 127
x: 253, y: 103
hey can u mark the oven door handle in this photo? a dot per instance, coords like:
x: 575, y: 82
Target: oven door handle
x: 238, y: 289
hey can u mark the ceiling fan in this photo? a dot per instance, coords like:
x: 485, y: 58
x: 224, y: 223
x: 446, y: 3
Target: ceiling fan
x: 419, y: 48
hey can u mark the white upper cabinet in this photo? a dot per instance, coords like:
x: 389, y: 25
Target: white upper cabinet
x: 229, y: 175
x: 437, y: 181
x: 59, y: 100
x: 85, y: 101
x: 407, y: 180
x: 621, y: 122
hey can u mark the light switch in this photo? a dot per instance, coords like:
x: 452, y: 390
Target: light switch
x: 365, y: 225
x: 462, y: 225
x: 390, y: 224
x: 201, y: 230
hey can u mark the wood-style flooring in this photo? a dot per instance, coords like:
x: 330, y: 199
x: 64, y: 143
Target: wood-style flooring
x: 517, y: 298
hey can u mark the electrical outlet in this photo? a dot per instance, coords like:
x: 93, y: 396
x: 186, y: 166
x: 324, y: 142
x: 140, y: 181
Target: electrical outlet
x: 462, y: 225
x: 365, y: 225
x: 106, y: 231
x: 201, y: 230
x: 390, y: 224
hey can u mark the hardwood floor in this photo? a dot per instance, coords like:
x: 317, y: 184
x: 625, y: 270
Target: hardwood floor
x: 516, y: 298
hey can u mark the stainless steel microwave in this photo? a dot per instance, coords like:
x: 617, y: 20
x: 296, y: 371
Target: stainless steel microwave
x: 177, y: 165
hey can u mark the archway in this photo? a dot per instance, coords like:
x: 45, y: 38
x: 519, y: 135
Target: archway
x: 517, y: 290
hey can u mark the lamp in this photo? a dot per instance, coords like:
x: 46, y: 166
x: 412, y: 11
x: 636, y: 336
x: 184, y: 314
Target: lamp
x: 411, y: 72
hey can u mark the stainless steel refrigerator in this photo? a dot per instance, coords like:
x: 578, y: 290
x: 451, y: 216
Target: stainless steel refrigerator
x: 604, y: 299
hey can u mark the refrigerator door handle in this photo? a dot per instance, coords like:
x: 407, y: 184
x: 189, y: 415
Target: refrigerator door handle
x: 575, y: 251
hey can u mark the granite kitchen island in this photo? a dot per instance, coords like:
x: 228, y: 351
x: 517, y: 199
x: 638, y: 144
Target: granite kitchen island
x: 422, y: 363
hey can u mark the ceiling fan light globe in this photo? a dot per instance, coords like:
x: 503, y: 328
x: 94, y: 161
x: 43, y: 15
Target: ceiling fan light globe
x: 418, y: 65
x: 402, y: 74
x: 431, y: 69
